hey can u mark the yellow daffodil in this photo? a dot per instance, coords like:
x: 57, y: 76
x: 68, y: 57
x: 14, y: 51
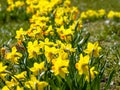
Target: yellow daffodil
x: 50, y: 53
x: 91, y: 75
x: 5, y: 88
x: 14, y: 55
x: 93, y: 49
x: 33, y: 49
x: 21, y: 75
x: 37, y: 68
x: 60, y: 67
x: 10, y: 7
x: 111, y: 14
x: 19, y: 3
x: 10, y: 1
x: 19, y: 88
x: 34, y: 83
x: 20, y: 34
x: 12, y: 83
x: 101, y: 12
x: 2, y: 70
x: 82, y: 65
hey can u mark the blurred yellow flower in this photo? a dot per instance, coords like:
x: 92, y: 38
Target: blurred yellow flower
x: 19, y: 3
x: 101, y: 12
x: 111, y: 14
x: 10, y: 7
x: 20, y: 88
x: 10, y: 1
x: 5, y: 88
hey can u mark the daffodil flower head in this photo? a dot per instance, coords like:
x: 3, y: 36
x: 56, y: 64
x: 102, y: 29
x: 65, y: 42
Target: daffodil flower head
x: 93, y: 49
x: 37, y: 68
x: 60, y: 67
x: 33, y: 49
x: 91, y: 74
x: 20, y: 34
x: 33, y: 83
x: 14, y: 55
x: 82, y: 65
x: 2, y: 69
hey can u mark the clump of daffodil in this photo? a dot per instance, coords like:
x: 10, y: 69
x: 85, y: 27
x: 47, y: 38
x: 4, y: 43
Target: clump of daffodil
x: 60, y: 66
x: 16, y: 80
x: 13, y: 56
x: 49, y: 43
x: 12, y: 83
x: 112, y: 15
x: 35, y: 84
x: 14, y: 4
x: 93, y: 49
x: 83, y: 68
x: 92, y: 14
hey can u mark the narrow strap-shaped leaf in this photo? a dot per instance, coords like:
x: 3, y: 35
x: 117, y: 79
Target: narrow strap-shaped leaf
x: 109, y: 80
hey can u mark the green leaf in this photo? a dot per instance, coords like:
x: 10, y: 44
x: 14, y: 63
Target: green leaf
x: 109, y: 80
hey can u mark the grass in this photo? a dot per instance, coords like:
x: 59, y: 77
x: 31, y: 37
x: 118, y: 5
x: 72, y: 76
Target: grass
x: 107, y: 34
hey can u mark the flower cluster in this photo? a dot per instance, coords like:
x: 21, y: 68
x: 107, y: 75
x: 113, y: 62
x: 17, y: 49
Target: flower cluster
x: 93, y: 15
x: 114, y: 15
x: 50, y: 49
